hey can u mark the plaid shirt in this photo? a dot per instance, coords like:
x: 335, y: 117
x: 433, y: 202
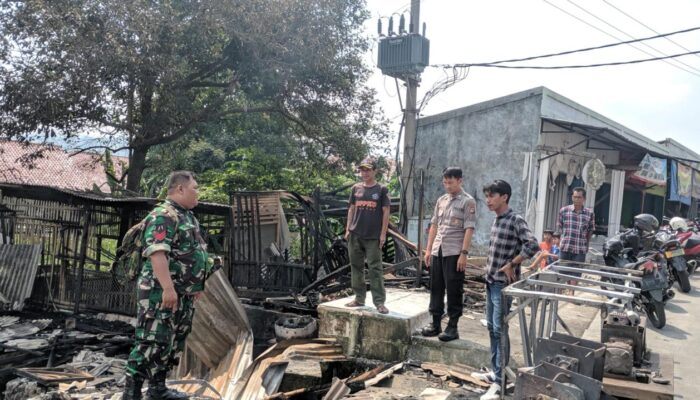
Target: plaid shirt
x: 575, y: 228
x: 510, y: 237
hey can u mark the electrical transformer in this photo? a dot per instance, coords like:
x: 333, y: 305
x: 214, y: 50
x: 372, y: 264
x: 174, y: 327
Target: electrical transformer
x: 403, y: 55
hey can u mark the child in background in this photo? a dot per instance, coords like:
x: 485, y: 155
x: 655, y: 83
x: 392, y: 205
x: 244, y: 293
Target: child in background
x: 542, y: 259
x: 555, y: 251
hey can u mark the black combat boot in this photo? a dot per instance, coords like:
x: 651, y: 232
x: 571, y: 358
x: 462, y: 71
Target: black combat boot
x: 432, y: 329
x: 132, y: 389
x: 450, y: 332
x: 158, y: 391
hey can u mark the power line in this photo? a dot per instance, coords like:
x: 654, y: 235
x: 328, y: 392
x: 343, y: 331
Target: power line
x: 497, y: 65
x: 632, y: 37
x: 646, y: 26
x: 457, y: 75
x: 594, y: 27
x: 563, y: 53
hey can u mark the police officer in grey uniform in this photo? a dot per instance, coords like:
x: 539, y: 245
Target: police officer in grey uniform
x: 450, y: 237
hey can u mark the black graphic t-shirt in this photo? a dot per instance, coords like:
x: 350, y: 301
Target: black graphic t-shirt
x: 368, y: 201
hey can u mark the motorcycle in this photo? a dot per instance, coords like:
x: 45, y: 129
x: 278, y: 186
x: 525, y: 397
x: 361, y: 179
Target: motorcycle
x: 690, y: 241
x: 621, y: 251
x: 670, y: 247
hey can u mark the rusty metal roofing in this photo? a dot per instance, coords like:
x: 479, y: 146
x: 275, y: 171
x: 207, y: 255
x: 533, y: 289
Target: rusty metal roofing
x: 337, y: 391
x: 221, y: 338
x: 262, y: 378
x: 18, y: 266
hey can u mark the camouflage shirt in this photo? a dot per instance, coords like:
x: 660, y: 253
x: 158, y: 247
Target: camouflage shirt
x: 175, y: 230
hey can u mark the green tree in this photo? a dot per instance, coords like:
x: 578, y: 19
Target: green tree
x: 255, y: 152
x: 149, y: 73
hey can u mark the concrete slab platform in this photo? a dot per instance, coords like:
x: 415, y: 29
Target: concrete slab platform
x: 364, y: 332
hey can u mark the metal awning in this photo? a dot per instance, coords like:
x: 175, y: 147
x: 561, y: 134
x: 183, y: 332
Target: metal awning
x: 602, y: 135
x: 624, y: 141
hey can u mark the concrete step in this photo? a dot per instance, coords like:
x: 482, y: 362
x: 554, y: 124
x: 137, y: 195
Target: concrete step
x: 460, y: 351
x: 364, y: 332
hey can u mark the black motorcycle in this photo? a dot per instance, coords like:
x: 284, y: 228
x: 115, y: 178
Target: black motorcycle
x: 621, y: 251
x: 667, y: 243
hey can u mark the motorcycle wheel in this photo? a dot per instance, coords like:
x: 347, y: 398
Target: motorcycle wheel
x: 683, y: 280
x: 691, y: 267
x: 656, y: 313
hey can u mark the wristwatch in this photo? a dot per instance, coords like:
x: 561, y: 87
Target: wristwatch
x: 464, y: 252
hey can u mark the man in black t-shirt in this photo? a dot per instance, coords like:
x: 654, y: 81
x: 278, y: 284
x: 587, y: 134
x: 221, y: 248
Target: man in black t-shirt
x: 368, y: 220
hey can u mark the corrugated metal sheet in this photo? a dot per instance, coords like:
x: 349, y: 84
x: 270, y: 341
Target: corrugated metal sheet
x: 262, y: 378
x: 18, y: 265
x: 337, y: 391
x: 221, y: 338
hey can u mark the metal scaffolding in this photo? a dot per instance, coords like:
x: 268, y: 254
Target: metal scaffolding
x: 542, y: 291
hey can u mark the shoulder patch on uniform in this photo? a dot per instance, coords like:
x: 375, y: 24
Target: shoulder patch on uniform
x: 472, y: 210
x: 159, y: 232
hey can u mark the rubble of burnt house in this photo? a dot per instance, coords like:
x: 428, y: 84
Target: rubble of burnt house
x: 66, y: 325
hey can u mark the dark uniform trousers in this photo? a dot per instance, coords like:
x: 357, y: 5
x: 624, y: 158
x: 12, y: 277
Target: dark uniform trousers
x: 445, y: 277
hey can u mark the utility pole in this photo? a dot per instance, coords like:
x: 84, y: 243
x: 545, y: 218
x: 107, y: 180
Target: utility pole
x: 403, y: 55
x: 409, y: 140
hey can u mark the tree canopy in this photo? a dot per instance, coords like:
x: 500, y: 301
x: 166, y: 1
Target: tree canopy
x: 145, y: 74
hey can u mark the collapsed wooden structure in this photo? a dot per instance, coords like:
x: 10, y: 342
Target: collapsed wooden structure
x: 79, y: 232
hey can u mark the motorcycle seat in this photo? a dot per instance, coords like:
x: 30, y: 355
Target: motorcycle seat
x: 693, y: 241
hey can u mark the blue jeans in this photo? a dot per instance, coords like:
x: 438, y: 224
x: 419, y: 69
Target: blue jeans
x: 495, y: 312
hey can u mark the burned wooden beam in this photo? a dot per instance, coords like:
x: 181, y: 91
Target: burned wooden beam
x: 48, y: 376
x: 19, y: 349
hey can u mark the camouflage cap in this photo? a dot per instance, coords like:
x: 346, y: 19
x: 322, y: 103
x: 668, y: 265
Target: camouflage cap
x: 368, y: 163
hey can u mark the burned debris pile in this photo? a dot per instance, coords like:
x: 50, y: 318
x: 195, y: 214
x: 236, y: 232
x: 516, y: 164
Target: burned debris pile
x: 55, y: 352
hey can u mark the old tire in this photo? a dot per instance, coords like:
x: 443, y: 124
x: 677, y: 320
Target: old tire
x: 656, y: 313
x: 683, y: 280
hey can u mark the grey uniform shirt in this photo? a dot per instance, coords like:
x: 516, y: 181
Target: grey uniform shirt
x: 453, y: 215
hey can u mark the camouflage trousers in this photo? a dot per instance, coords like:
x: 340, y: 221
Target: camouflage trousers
x: 160, y: 334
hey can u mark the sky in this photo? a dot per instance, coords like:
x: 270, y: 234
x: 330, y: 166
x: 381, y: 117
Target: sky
x: 655, y: 99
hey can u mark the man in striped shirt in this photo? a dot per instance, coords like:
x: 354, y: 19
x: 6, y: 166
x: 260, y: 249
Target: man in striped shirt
x: 510, y: 244
x: 576, y: 224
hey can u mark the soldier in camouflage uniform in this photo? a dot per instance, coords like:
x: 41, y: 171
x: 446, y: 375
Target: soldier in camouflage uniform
x: 171, y: 279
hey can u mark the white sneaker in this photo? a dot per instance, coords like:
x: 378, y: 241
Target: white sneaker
x: 494, y: 393
x: 488, y: 377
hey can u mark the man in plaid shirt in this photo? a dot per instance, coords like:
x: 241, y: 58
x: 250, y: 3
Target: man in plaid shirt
x: 576, y: 224
x: 511, y: 243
